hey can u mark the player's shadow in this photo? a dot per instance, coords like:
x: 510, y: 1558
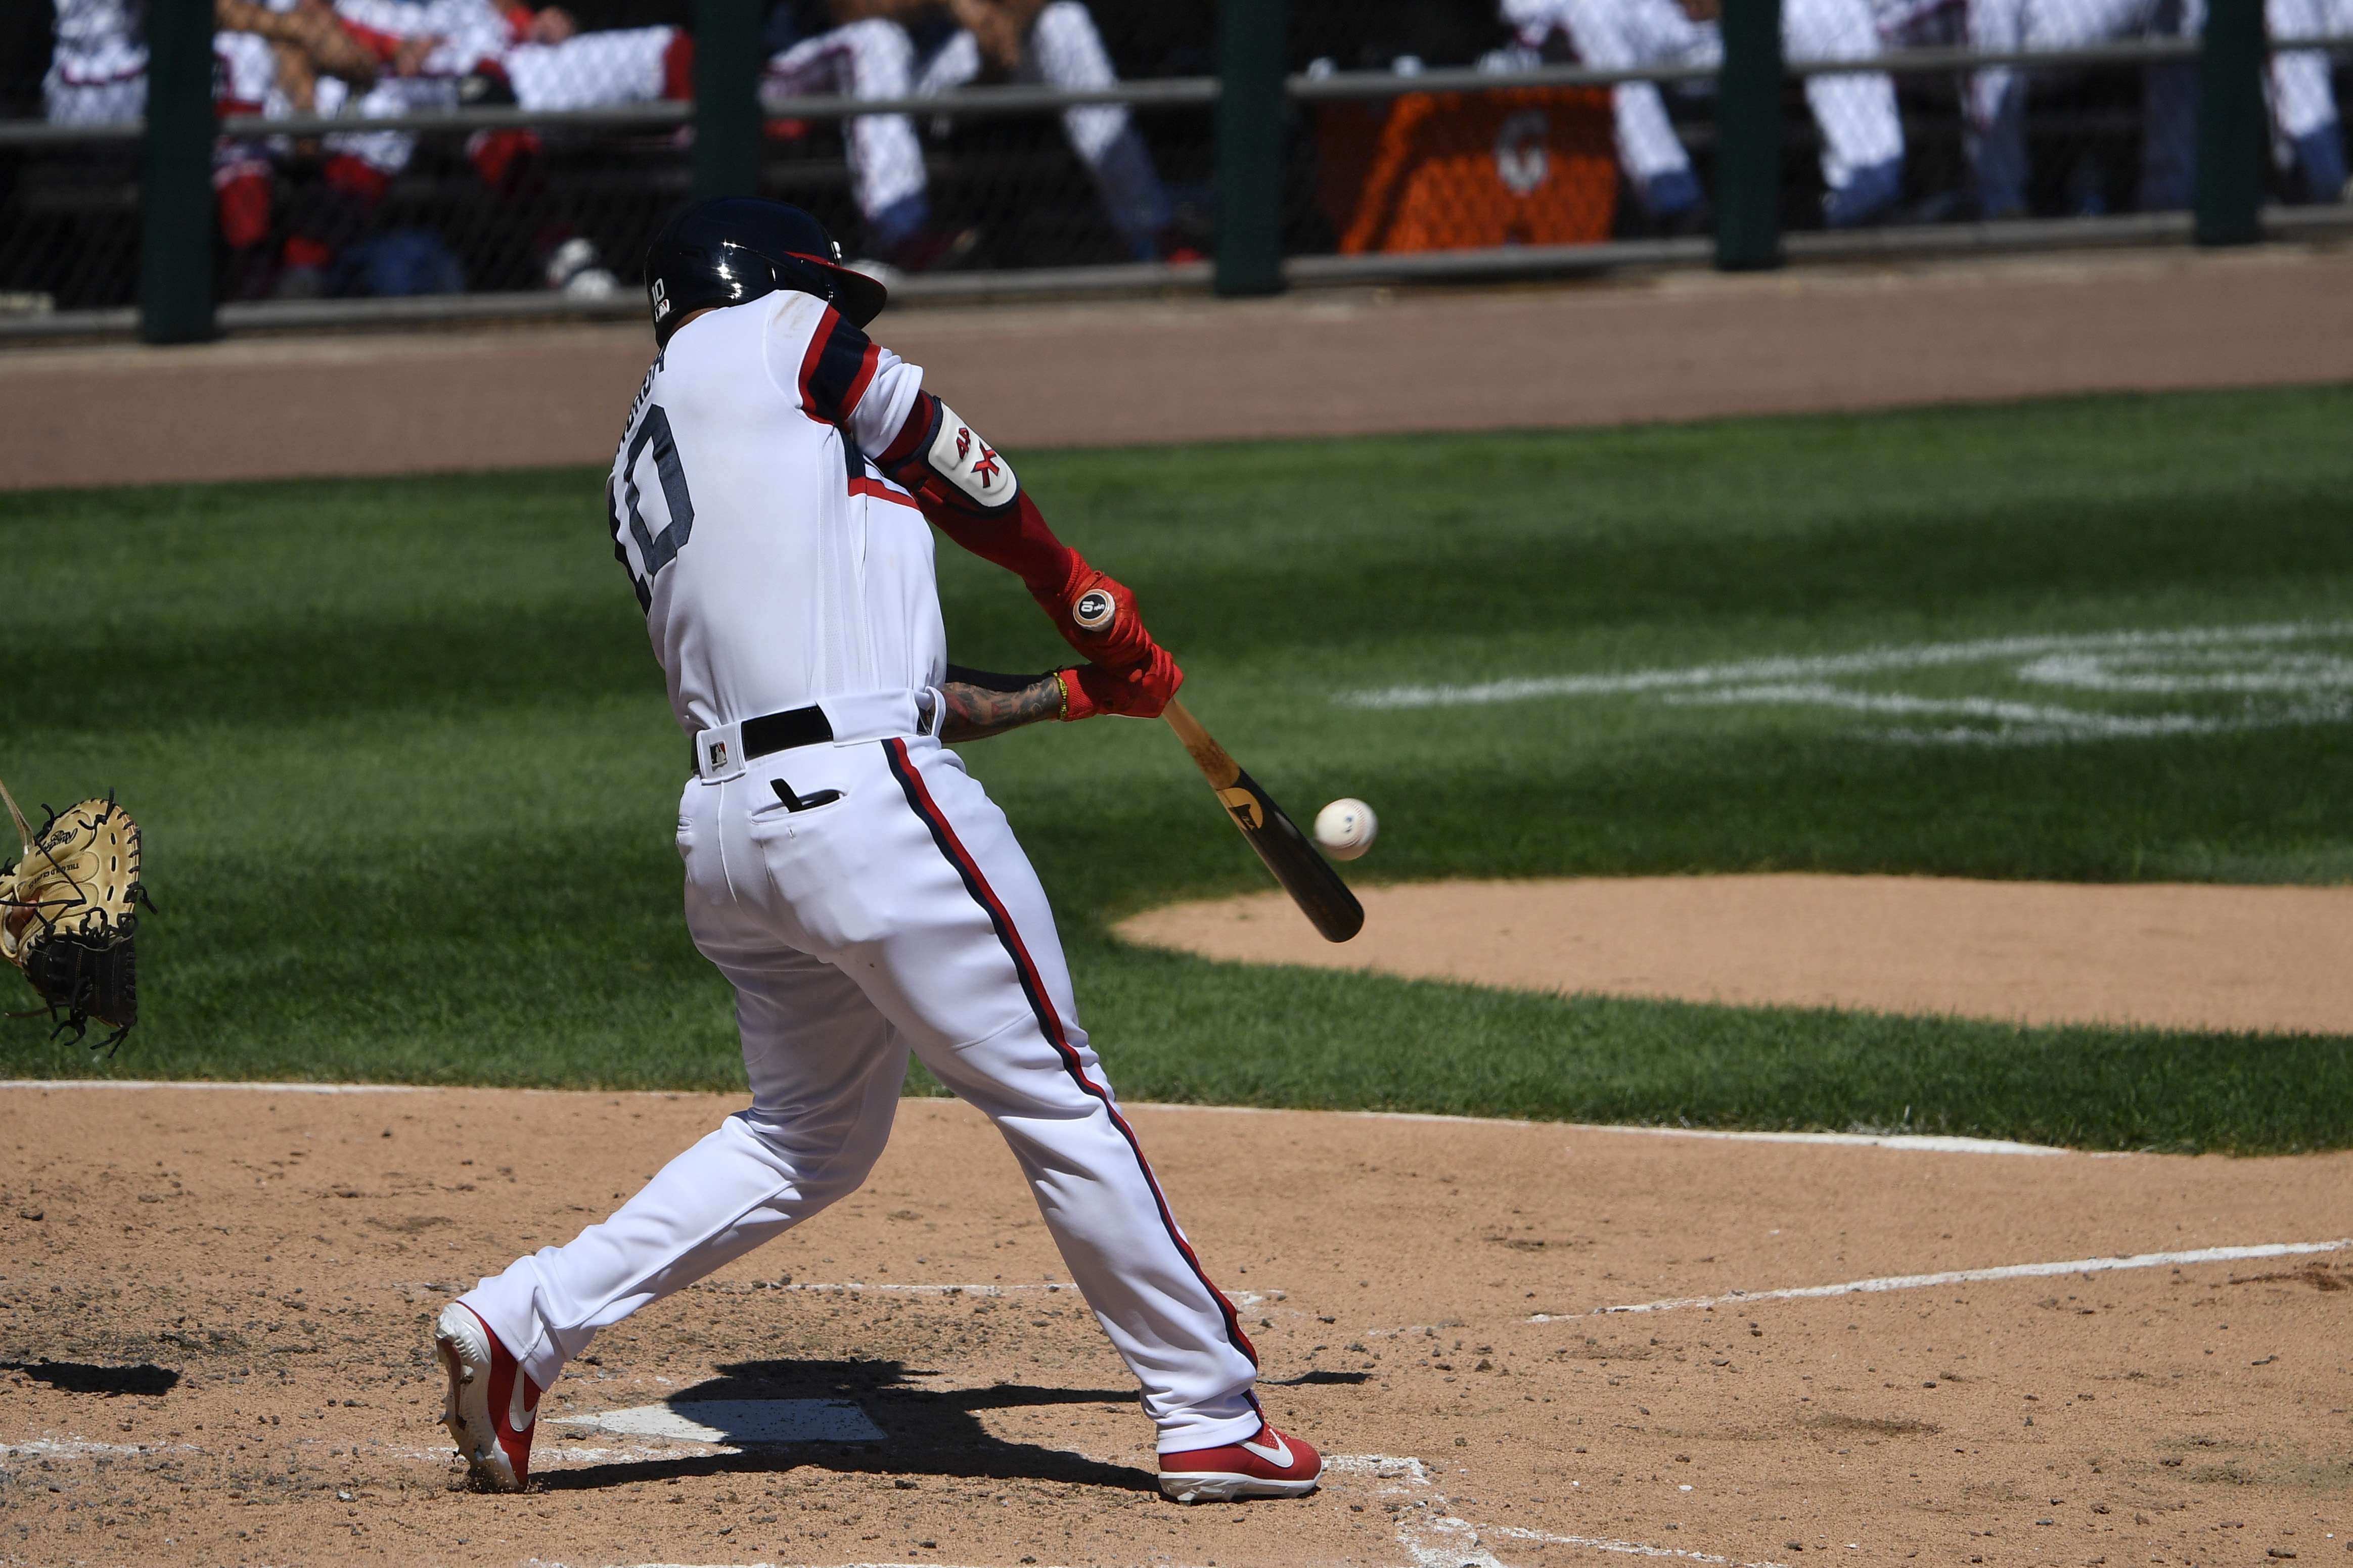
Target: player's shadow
x: 83, y: 1377
x: 928, y: 1431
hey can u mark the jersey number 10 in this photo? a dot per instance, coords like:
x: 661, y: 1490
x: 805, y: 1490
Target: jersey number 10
x: 654, y: 550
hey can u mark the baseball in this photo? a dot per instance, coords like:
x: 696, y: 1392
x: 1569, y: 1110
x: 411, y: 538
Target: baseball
x: 1346, y: 828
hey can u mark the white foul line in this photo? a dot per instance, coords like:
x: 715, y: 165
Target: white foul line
x: 1869, y: 661
x: 48, y: 1083
x: 1434, y: 1538
x: 1967, y: 1276
x: 1923, y: 1142
x: 1920, y: 1142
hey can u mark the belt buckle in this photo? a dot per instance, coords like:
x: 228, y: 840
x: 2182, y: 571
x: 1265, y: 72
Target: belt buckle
x: 719, y: 754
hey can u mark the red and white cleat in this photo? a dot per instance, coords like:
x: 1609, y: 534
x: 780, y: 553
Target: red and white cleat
x: 493, y: 1408
x: 1272, y: 1464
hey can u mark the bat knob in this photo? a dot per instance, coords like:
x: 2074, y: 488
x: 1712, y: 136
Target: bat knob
x: 1094, y: 610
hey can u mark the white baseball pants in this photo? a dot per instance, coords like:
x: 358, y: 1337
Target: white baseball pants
x: 872, y: 58
x: 1855, y: 112
x: 901, y: 916
x: 591, y: 70
x: 99, y: 101
x: 876, y: 58
x: 1997, y: 97
x: 2303, y: 100
x: 1062, y: 49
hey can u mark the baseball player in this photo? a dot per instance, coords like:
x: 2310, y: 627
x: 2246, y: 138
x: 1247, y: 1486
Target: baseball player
x: 1996, y: 97
x: 853, y: 883
x: 2304, y: 99
x: 448, y: 54
x: 895, y: 49
x: 1863, y: 138
x: 267, y: 58
x: 439, y: 54
x: 97, y: 66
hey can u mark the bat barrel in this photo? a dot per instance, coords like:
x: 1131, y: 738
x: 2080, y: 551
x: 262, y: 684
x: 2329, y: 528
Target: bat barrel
x: 1304, y: 874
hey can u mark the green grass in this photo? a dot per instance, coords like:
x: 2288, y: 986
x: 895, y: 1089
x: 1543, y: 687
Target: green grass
x: 405, y: 765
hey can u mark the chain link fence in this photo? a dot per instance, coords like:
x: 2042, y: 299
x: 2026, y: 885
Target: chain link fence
x: 503, y: 156
x: 1893, y: 114
x: 378, y: 149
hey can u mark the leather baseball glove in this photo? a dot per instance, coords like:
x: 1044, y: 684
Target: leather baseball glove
x: 68, y: 914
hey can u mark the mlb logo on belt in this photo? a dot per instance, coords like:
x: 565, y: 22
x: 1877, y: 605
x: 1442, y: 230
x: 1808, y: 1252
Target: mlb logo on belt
x: 718, y: 754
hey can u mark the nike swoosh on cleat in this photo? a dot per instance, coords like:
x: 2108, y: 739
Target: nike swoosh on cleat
x: 1278, y: 1455
x: 519, y: 1419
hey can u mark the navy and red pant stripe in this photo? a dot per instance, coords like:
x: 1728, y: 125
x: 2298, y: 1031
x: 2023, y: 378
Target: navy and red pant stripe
x: 1049, y: 1023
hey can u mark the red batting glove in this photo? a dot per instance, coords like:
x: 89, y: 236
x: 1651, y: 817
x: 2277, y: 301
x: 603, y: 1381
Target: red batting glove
x: 1097, y: 616
x: 1139, y: 691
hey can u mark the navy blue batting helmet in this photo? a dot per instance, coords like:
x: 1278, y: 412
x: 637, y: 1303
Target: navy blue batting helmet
x: 729, y: 249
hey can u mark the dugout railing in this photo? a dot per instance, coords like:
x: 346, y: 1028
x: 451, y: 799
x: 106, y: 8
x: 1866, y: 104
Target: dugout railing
x: 1273, y: 177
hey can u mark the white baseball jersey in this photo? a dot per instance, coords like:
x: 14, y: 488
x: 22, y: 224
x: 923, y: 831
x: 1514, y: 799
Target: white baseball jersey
x: 470, y: 30
x: 775, y: 563
x: 98, y: 41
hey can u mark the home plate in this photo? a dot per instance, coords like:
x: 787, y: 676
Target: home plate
x: 741, y: 1423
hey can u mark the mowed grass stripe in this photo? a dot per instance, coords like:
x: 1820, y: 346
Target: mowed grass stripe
x: 404, y: 764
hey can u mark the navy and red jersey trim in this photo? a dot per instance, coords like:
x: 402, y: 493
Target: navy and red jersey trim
x: 837, y: 369
x: 1049, y: 1023
x: 880, y: 490
x: 913, y: 436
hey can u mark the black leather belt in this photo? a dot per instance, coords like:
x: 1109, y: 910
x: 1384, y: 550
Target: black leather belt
x: 773, y: 732
x: 782, y: 731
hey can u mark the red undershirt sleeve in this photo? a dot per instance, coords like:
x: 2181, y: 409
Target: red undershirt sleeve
x: 1016, y: 538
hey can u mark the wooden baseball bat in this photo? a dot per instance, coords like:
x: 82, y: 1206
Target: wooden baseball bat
x: 1310, y: 881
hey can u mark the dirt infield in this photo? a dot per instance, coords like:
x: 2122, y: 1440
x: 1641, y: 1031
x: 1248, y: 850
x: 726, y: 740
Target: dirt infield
x: 215, y: 1304
x: 1676, y: 346
x: 2182, y: 957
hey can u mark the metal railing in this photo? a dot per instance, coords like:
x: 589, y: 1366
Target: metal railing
x: 1253, y: 218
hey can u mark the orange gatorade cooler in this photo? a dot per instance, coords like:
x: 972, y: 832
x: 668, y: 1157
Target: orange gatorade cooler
x: 1464, y: 171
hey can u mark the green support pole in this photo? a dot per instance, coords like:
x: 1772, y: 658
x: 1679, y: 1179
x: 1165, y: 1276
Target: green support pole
x: 175, y: 175
x: 2232, y: 125
x: 727, y: 59
x: 1252, y: 39
x: 1748, y: 138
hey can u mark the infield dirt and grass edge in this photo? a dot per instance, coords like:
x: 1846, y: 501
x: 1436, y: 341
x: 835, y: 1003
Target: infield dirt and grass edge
x: 403, y: 758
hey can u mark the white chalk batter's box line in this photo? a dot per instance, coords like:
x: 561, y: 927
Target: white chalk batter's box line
x: 1964, y: 1276
x: 1431, y: 1536
x: 2253, y: 677
x: 865, y: 1288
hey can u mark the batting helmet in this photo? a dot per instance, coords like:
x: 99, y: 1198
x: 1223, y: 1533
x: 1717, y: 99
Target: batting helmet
x: 730, y: 249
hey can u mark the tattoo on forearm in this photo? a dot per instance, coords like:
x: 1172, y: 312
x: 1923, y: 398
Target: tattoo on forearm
x: 993, y: 704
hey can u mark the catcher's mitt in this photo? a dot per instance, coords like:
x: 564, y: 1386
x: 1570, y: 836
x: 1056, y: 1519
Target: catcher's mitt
x: 67, y: 915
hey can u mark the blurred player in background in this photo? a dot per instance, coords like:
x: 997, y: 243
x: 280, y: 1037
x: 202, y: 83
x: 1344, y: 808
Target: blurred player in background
x: 1997, y: 95
x: 267, y: 59
x: 1863, y: 139
x: 97, y: 71
x: 368, y: 58
x: 438, y: 55
x: 2304, y: 99
x: 98, y: 68
x: 898, y: 48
